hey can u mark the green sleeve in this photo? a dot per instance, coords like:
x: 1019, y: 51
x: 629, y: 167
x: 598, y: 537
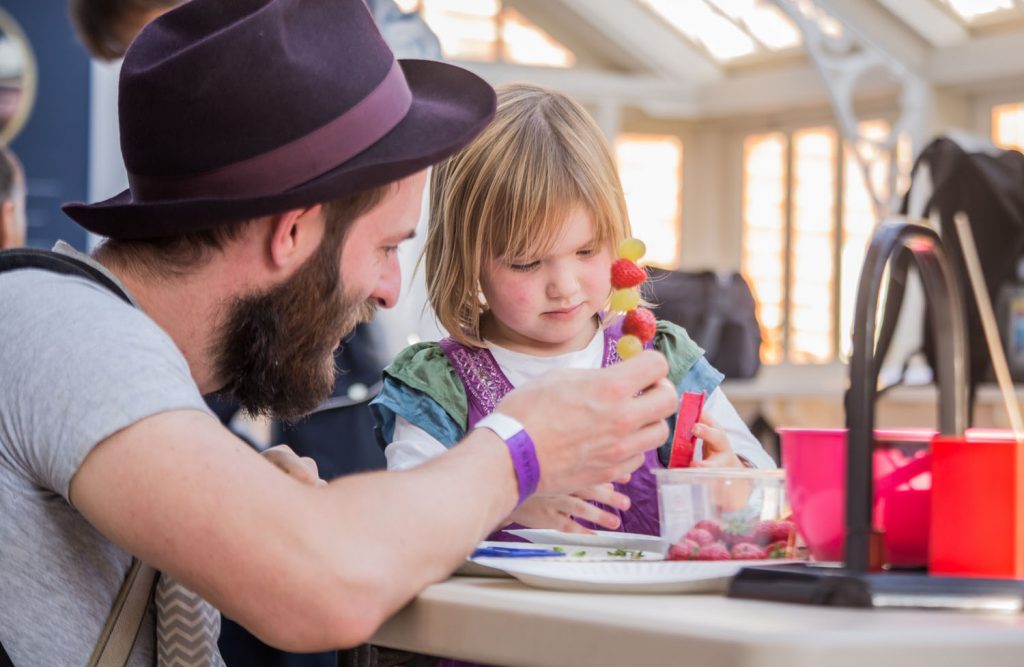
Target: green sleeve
x: 679, y: 349
x: 425, y: 368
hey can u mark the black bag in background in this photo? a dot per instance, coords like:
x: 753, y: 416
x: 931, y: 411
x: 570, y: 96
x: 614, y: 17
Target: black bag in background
x: 717, y: 310
x: 989, y: 188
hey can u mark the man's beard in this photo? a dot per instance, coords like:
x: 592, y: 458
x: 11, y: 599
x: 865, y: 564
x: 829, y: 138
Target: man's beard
x: 275, y: 350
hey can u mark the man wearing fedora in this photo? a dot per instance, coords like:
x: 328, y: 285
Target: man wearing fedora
x: 276, y: 153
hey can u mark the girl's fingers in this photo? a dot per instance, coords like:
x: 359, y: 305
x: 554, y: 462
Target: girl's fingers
x: 303, y: 469
x: 588, y: 512
x: 714, y: 439
x: 605, y: 493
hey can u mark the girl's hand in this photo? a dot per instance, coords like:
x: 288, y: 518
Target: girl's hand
x: 558, y: 512
x: 717, y: 450
x: 301, y: 468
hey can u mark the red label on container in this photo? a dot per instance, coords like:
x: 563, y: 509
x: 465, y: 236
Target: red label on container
x: 683, y: 441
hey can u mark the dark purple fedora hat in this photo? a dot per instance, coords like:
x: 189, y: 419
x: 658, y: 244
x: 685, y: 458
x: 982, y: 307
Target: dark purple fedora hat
x: 233, y: 109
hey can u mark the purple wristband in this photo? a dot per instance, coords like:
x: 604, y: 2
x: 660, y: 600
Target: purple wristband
x: 520, y: 448
x: 525, y: 463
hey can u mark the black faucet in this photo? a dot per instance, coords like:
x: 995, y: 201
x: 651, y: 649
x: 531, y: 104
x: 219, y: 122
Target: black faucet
x: 895, y: 245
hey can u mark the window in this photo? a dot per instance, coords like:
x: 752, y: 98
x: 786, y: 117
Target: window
x: 807, y: 217
x: 1008, y: 126
x: 486, y: 30
x: 651, y: 170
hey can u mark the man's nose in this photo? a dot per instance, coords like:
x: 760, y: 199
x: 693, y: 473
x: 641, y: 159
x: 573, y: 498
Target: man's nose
x: 389, y: 286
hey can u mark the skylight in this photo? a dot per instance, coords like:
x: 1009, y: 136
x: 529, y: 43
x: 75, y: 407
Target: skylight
x: 730, y: 29
x: 970, y: 11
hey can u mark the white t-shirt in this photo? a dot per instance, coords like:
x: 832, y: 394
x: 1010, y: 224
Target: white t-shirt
x: 412, y: 446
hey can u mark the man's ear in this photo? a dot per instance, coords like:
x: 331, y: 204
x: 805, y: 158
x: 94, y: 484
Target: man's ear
x: 6, y: 223
x: 295, y: 235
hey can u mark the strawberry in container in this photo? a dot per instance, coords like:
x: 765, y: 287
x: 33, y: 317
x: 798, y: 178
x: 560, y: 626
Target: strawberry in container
x: 725, y: 514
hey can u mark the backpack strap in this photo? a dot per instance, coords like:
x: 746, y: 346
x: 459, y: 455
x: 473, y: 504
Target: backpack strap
x: 125, y: 620
x: 121, y: 629
x: 31, y: 258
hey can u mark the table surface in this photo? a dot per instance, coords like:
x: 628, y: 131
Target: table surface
x: 504, y: 622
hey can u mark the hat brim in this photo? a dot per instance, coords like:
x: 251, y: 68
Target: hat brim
x: 450, y: 106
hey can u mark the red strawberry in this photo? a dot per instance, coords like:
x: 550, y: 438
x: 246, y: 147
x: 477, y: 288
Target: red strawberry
x: 700, y: 536
x: 711, y: 526
x: 765, y: 532
x: 716, y: 551
x: 626, y: 273
x: 747, y: 551
x: 783, y: 531
x: 640, y: 322
x: 684, y: 550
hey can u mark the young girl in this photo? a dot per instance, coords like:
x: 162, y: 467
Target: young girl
x: 524, y: 223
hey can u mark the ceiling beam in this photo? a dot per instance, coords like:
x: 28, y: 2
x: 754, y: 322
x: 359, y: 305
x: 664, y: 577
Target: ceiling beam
x: 596, y: 86
x: 655, y: 43
x: 929, y: 21
x: 978, y: 61
x: 877, y: 27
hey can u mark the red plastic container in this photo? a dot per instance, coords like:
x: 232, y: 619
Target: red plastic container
x: 977, y: 520
x: 815, y: 463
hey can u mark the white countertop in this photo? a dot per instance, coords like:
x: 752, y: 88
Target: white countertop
x: 501, y: 621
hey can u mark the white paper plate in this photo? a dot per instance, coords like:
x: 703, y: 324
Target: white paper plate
x: 599, y: 538
x: 573, y: 553
x: 623, y: 576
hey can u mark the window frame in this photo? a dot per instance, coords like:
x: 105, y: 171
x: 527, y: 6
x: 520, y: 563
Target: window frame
x: 789, y: 127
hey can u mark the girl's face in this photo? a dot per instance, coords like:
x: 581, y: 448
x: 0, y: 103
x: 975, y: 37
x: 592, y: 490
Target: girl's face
x: 546, y: 305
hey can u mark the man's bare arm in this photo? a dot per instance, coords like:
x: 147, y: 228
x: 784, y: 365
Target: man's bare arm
x: 309, y: 568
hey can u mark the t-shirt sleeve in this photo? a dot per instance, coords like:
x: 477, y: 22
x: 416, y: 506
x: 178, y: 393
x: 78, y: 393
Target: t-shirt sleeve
x: 78, y: 365
x: 411, y: 447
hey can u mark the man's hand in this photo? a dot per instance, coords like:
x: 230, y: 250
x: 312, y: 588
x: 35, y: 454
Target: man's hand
x: 559, y: 512
x: 592, y: 426
x: 301, y: 468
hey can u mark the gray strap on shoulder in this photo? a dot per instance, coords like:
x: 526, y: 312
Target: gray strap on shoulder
x: 125, y: 620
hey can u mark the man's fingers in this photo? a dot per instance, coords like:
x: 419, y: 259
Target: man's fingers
x: 639, y: 372
x: 658, y: 401
x: 628, y: 466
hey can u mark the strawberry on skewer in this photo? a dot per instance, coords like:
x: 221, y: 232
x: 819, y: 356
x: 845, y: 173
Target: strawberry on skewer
x: 639, y: 325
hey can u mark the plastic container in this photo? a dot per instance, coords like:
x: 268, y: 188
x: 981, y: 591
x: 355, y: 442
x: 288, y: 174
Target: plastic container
x: 725, y: 514
x: 815, y: 463
x: 977, y: 523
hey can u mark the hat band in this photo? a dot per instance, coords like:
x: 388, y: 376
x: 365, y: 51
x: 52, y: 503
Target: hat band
x: 298, y: 161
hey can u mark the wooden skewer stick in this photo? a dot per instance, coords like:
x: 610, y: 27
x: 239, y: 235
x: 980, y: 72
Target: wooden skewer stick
x: 988, y: 324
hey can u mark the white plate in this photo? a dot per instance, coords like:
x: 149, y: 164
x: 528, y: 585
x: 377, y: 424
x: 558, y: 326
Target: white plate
x: 573, y: 553
x: 623, y: 576
x: 599, y: 538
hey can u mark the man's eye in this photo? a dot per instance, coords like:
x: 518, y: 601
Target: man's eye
x: 390, y: 250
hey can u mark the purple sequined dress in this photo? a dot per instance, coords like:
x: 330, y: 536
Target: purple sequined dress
x: 486, y: 385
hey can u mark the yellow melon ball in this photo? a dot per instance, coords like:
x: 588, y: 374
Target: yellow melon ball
x: 632, y: 249
x: 625, y: 300
x: 629, y: 346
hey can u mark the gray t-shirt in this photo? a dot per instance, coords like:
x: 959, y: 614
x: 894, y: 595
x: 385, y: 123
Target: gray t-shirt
x: 77, y: 364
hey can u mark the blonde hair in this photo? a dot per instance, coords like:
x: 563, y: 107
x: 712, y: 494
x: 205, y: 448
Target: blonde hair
x: 507, y: 194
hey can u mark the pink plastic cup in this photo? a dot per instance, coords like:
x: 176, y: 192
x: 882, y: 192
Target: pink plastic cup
x: 815, y: 463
